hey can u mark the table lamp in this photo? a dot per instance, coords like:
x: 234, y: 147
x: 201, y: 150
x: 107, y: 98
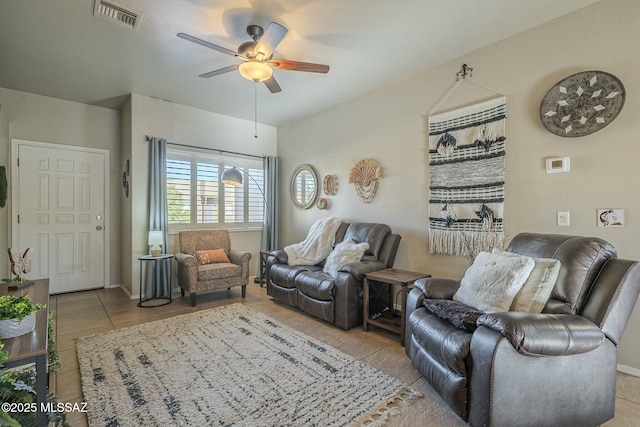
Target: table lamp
x: 156, y: 239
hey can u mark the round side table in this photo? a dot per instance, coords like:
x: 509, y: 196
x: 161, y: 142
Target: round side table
x: 165, y: 258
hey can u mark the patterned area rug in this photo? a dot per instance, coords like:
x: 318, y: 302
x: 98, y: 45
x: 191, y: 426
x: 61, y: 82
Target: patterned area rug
x: 230, y: 365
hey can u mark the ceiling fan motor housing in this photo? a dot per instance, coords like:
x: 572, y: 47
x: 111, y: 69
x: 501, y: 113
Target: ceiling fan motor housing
x: 247, y: 49
x: 255, y: 32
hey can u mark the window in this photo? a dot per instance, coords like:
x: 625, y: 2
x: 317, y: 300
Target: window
x: 196, y: 197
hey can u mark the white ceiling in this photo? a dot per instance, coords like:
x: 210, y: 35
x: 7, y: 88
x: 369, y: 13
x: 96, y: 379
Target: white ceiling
x: 58, y: 48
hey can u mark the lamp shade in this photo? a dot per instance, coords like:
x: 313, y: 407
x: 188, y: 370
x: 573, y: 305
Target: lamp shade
x: 255, y: 70
x: 231, y: 177
x: 156, y: 237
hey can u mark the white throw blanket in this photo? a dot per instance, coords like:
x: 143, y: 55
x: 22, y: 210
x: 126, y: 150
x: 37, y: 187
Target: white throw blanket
x: 317, y: 245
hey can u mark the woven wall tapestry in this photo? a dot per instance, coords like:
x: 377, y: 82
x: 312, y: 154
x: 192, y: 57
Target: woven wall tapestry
x: 466, y: 171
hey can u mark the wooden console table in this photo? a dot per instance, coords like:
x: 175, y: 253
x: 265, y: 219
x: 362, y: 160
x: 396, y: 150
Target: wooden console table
x: 391, y: 277
x: 32, y: 347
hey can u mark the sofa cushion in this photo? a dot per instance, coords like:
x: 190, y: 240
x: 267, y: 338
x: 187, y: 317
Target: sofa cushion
x: 444, y: 342
x: 285, y: 275
x: 581, y: 259
x: 316, y: 284
x: 491, y: 283
x: 211, y: 256
x: 536, y: 290
x: 218, y: 271
x: 343, y: 253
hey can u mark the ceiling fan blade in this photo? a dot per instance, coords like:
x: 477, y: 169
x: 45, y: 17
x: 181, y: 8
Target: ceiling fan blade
x: 285, y: 64
x: 272, y: 85
x: 207, y: 44
x: 271, y: 38
x: 219, y: 71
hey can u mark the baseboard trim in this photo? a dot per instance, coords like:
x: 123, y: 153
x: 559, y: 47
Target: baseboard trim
x: 629, y: 370
x: 137, y: 296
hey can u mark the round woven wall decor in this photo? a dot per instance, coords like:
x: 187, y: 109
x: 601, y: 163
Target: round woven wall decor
x: 582, y: 103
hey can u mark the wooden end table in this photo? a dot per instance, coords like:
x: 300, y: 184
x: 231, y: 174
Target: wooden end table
x: 262, y: 279
x: 391, y: 277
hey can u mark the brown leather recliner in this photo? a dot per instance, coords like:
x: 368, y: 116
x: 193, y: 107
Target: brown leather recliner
x: 556, y: 368
x: 337, y: 300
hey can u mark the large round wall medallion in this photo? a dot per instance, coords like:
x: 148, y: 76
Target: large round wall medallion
x: 582, y: 103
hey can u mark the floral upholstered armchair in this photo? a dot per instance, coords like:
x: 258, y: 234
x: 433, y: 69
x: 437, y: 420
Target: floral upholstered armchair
x: 206, y: 262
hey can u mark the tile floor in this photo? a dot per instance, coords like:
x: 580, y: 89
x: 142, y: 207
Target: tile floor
x: 90, y: 312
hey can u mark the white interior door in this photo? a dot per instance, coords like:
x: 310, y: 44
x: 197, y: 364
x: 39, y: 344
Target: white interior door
x: 59, y: 209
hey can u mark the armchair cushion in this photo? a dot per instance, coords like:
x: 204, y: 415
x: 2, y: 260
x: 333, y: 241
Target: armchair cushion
x: 211, y: 256
x: 545, y: 334
x: 491, y: 283
x: 344, y: 253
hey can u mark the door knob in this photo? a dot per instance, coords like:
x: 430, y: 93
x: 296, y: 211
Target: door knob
x: 99, y: 227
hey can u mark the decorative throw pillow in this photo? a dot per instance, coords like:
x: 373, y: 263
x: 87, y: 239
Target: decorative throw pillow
x: 537, y: 289
x: 458, y: 314
x: 211, y: 256
x: 491, y: 283
x: 344, y: 253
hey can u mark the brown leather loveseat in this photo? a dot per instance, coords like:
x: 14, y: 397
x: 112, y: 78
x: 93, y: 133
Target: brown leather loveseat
x: 555, y: 368
x: 337, y: 300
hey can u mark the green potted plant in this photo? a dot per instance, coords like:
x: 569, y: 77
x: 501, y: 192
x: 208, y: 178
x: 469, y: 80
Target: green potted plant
x: 17, y: 315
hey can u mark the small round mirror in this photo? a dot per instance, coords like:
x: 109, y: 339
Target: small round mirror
x: 304, y: 186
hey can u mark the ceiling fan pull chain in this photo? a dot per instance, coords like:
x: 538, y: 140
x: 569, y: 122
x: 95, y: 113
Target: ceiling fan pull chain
x: 255, y: 110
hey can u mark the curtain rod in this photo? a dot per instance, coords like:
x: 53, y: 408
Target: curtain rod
x: 148, y: 138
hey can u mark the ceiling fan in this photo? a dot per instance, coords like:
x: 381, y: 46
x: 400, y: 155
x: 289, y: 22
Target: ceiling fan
x: 257, y: 55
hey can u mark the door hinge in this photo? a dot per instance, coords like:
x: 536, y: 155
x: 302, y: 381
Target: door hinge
x: 18, y: 218
x: 18, y: 161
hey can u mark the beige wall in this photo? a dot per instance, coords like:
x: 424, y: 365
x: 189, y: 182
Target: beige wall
x: 388, y: 125
x: 181, y: 125
x: 39, y: 118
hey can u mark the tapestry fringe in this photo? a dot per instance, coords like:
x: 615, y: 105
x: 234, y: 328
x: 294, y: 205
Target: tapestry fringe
x: 379, y: 416
x: 458, y: 243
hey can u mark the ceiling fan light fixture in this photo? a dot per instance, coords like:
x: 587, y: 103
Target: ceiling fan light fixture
x: 255, y: 70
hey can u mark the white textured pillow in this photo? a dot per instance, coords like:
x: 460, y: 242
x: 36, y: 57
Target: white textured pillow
x: 344, y: 253
x: 491, y: 283
x: 535, y: 292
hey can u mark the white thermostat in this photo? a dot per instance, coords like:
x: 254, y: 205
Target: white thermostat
x: 558, y: 164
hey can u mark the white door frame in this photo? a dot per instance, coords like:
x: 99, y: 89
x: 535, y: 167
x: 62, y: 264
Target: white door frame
x: 15, y: 143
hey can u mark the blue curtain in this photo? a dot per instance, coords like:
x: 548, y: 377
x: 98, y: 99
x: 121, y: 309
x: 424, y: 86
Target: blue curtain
x: 270, y: 231
x: 159, y: 272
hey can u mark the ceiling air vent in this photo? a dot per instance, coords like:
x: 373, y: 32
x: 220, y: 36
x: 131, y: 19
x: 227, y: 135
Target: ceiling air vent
x: 117, y: 13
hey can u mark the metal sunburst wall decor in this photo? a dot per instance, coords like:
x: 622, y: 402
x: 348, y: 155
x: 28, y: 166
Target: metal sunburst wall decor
x: 582, y: 103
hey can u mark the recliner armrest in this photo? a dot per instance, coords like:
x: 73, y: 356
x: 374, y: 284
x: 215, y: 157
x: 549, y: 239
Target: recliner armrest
x: 437, y: 287
x: 278, y: 257
x: 186, y: 259
x: 545, y: 334
x: 359, y: 269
